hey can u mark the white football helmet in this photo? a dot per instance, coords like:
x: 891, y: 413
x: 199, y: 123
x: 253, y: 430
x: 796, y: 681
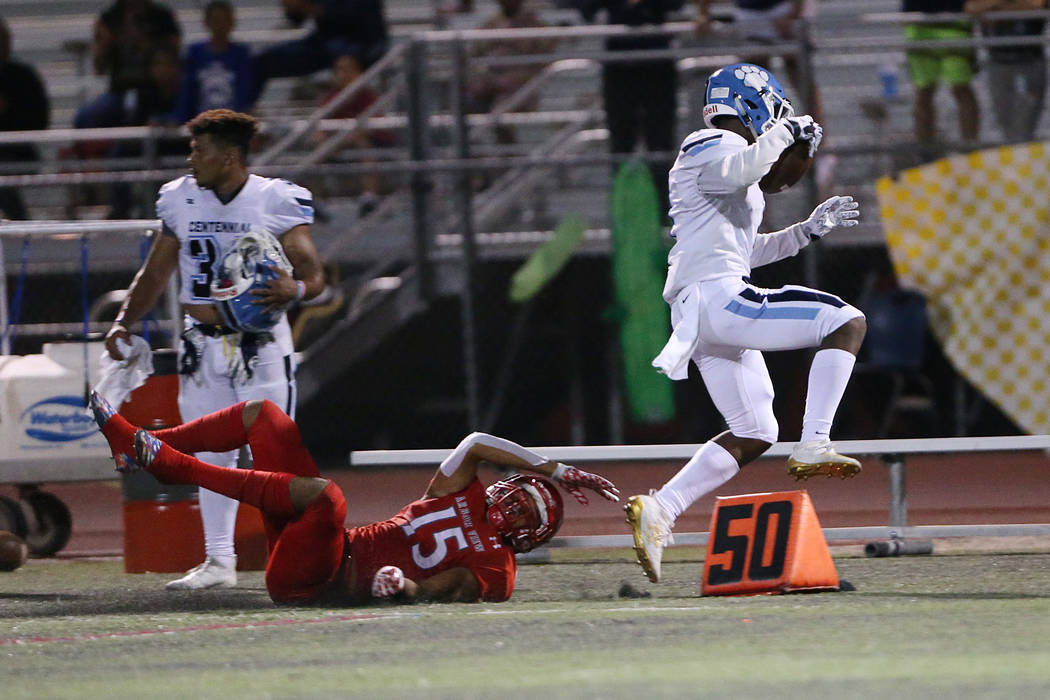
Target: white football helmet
x: 252, y: 262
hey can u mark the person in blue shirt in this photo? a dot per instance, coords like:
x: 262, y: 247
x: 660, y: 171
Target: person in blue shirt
x: 217, y: 73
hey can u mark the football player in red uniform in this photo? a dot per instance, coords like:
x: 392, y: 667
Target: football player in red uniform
x: 457, y: 543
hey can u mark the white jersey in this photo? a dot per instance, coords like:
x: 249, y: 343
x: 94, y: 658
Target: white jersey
x: 717, y: 206
x: 207, y: 228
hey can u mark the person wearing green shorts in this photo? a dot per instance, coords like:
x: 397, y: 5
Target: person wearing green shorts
x: 929, y: 68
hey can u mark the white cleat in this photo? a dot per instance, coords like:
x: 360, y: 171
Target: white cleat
x: 819, y: 458
x: 652, y: 532
x: 207, y: 574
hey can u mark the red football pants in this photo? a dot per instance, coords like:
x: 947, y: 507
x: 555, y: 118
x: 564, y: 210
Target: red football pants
x: 305, y: 549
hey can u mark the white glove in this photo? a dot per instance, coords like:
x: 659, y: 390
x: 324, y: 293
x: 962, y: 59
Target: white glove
x: 832, y: 213
x: 803, y: 128
x: 388, y: 581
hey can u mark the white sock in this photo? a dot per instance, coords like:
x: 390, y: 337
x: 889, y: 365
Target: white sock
x: 218, y: 513
x: 828, y: 376
x: 709, y: 468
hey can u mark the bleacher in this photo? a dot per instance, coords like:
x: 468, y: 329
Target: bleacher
x: 520, y: 206
x: 54, y: 36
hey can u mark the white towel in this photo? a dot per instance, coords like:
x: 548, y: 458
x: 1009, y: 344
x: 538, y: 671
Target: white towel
x: 120, y: 377
x: 673, y: 360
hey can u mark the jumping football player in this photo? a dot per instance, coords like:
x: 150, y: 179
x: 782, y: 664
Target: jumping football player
x: 722, y: 322
x: 204, y: 214
x: 456, y: 544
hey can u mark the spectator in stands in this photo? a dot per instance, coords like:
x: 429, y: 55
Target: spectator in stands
x: 153, y: 105
x: 346, y: 71
x: 126, y: 35
x: 930, y: 67
x: 341, y: 27
x: 157, y: 99
x: 640, y: 95
x: 489, y: 84
x: 217, y: 72
x: 23, y: 107
x: 1016, y: 74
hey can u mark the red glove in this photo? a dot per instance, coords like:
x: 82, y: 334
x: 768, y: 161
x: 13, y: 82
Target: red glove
x: 388, y: 581
x: 572, y: 479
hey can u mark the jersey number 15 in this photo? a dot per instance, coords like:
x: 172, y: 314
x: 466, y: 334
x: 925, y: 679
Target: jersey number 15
x: 441, y: 537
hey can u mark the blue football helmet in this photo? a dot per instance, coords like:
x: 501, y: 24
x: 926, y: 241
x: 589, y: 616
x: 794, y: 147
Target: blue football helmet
x: 252, y: 262
x: 748, y: 92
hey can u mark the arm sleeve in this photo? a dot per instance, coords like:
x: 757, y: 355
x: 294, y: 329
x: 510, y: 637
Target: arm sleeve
x: 746, y: 166
x: 770, y: 247
x: 452, y: 462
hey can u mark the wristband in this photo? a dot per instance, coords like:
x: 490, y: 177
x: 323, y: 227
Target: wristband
x: 300, y: 290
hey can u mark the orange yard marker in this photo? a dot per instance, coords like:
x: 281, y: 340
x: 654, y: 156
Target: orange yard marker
x: 766, y: 543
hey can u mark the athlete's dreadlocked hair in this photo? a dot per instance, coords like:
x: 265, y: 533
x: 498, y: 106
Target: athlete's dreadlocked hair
x: 233, y: 128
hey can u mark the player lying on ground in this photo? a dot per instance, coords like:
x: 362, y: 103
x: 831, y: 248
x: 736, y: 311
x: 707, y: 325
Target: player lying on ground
x: 722, y: 322
x: 457, y: 543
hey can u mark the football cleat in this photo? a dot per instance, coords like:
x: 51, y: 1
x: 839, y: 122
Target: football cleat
x: 208, y: 574
x: 100, y: 409
x: 103, y: 411
x: 819, y: 458
x: 146, y: 448
x: 651, y: 526
x: 125, y: 464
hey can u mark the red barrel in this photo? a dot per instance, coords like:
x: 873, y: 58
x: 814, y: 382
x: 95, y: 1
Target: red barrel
x: 162, y: 523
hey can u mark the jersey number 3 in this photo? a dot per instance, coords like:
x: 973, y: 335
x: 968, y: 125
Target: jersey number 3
x: 441, y: 538
x: 204, y: 251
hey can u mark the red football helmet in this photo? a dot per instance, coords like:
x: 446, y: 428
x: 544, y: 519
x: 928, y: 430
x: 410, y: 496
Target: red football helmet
x: 525, y: 510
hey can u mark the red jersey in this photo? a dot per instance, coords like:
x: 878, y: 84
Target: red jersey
x: 433, y: 535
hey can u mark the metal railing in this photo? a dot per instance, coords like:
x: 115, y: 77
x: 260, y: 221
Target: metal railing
x: 71, y: 232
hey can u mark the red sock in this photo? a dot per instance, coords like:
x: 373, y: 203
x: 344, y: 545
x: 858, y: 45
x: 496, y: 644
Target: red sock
x: 267, y: 491
x: 121, y: 435
x: 220, y: 431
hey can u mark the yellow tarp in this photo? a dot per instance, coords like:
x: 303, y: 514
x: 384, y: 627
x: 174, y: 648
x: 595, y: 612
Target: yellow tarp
x: 972, y: 233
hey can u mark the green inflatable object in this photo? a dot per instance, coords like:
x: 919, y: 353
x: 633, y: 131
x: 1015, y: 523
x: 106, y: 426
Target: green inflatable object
x: 548, y: 260
x: 639, y: 265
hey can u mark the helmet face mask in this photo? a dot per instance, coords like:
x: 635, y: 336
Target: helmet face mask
x: 525, y: 510
x: 748, y: 92
x: 249, y: 264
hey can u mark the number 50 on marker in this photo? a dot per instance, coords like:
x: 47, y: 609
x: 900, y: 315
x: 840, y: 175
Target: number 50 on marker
x: 766, y: 543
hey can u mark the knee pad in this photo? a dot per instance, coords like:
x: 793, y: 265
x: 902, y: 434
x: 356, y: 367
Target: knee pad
x: 763, y: 427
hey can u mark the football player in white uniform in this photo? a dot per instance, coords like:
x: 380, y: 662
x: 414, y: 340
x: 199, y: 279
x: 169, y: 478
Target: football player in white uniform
x: 204, y: 215
x: 722, y: 322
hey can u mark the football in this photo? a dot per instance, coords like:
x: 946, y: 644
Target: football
x: 789, y: 168
x: 13, y: 551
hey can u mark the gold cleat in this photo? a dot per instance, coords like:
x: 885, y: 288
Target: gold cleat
x: 651, y: 528
x: 819, y: 458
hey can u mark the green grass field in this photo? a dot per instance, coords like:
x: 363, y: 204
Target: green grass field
x: 962, y: 625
